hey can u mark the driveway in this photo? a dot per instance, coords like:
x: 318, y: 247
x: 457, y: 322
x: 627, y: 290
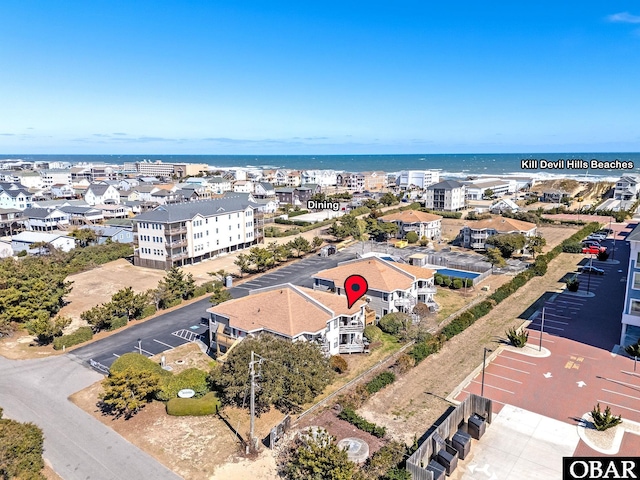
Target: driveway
x: 78, y: 446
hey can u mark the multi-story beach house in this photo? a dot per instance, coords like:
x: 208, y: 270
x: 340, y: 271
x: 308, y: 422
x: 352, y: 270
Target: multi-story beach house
x: 292, y: 313
x: 15, y: 195
x: 447, y: 196
x: 45, y: 219
x: 631, y: 309
x: 324, y: 178
x: 54, y: 177
x: 478, y: 189
x: 393, y: 287
x: 475, y: 234
x: 101, y: 193
x: 425, y: 225
x: 627, y: 188
x: 417, y: 179
x: 186, y: 233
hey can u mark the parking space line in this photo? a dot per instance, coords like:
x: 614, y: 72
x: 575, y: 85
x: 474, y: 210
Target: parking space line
x: 517, y: 360
x: 620, y: 382
x: 491, y: 386
x: 583, y: 356
x: 555, y: 321
x: 504, y: 378
x: 615, y: 405
x: 116, y: 355
x: 510, y: 368
x: 547, y: 326
x: 145, y: 351
x: 622, y: 394
x: 162, y: 343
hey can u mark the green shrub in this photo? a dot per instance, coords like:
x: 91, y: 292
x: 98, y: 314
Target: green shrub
x: 446, y: 281
x: 634, y: 349
x: 147, y: 311
x: 458, y: 325
x: 603, y: 421
x: 372, y: 333
x: 456, y: 284
x: 361, y: 423
x: 380, y: 381
x: 207, y: 405
x: 22, y: 253
x: 481, y: 309
x: 137, y: 362
x: 118, y: 322
x: 573, y: 284
x: 573, y: 247
x: 404, y: 363
x: 192, y: 378
x: 82, y: 334
x: 517, y: 339
x: 393, y: 323
x: 422, y: 350
x: 438, y: 279
x: 412, y: 237
x: 338, y: 363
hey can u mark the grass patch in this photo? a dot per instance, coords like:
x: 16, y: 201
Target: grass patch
x: 450, y: 302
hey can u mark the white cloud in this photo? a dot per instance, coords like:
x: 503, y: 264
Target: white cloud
x: 624, y: 17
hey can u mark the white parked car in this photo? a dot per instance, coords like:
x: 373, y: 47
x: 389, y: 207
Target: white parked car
x: 598, y: 237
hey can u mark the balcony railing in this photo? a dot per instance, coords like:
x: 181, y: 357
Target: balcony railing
x: 175, y: 230
x: 402, y: 302
x: 426, y: 290
x: 410, y: 228
x: 351, y: 348
x: 177, y: 243
x: 479, y: 236
x: 177, y: 255
x: 351, y: 327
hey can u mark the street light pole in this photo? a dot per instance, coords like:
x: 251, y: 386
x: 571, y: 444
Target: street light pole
x: 590, y: 272
x: 541, y: 329
x: 613, y: 253
x: 484, y: 363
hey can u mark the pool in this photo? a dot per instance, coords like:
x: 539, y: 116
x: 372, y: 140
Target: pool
x: 451, y: 272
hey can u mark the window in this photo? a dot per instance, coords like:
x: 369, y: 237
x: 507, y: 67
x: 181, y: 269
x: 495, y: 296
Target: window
x: 384, y: 312
x: 635, y: 308
x: 636, y: 281
x: 335, y: 344
x: 335, y: 323
x: 385, y: 296
x: 229, y: 227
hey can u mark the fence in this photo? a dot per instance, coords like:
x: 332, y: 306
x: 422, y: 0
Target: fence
x: 278, y: 432
x: 471, y: 405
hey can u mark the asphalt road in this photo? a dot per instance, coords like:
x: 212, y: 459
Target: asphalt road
x: 184, y: 324
x: 78, y: 446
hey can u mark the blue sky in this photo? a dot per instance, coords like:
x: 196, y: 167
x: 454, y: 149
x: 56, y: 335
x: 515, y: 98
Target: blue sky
x: 272, y: 77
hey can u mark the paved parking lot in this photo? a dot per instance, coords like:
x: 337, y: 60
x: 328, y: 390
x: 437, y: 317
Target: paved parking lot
x: 582, y: 333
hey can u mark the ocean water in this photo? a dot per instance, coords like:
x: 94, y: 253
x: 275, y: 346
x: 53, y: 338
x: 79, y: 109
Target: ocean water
x: 450, y: 165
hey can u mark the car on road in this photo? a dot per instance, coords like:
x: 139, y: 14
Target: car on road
x: 590, y: 243
x: 605, y: 231
x: 595, y: 236
x: 593, y: 250
x: 591, y: 269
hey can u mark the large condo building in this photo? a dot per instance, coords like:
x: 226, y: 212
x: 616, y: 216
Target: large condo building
x: 186, y: 233
x: 631, y: 310
x: 448, y: 195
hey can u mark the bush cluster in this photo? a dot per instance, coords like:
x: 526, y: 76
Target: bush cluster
x: 361, y: 423
x: 207, y: 405
x: 299, y: 223
x: 443, y: 214
x: 423, y: 349
x: 81, y: 335
x: 192, y: 378
x: 338, y: 363
x: 452, y: 282
x: 573, y: 247
x: 517, y: 338
x: 380, y: 381
x: 372, y: 333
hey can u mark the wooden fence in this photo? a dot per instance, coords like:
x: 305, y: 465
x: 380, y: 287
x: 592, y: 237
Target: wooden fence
x: 473, y: 404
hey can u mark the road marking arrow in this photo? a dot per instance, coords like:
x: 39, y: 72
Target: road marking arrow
x: 581, y: 384
x: 547, y: 375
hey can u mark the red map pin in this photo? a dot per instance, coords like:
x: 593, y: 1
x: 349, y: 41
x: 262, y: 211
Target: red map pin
x: 355, y: 286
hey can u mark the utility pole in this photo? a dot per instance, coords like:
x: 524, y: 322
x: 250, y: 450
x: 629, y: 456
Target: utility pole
x: 253, y: 444
x: 541, y: 329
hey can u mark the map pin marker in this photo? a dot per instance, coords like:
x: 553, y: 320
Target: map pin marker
x: 355, y: 286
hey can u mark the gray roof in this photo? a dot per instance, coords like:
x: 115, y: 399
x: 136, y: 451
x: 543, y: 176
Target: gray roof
x: 161, y: 193
x: 98, y: 188
x: 107, y: 230
x: 33, y: 237
x: 266, y: 185
x: 217, y: 180
x: 78, y: 210
x: 18, y: 191
x: 634, y: 236
x: 38, y: 212
x: 445, y: 184
x: 125, y: 222
x: 180, y: 212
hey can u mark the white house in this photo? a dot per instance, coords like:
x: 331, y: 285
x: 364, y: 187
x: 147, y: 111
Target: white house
x: 475, y: 234
x: 243, y: 186
x: 56, y: 177
x: 627, y: 188
x: 448, y: 196
x: 477, y: 189
x: 25, y: 241
x: 504, y: 205
x: 45, y: 219
x: 98, y: 193
x: 324, y: 178
x: 393, y: 287
x: 15, y: 195
x: 292, y: 313
x: 417, y: 178
x: 423, y: 224
x: 264, y: 190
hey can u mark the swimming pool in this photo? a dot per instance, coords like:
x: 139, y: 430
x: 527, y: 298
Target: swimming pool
x: 451, y: 272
